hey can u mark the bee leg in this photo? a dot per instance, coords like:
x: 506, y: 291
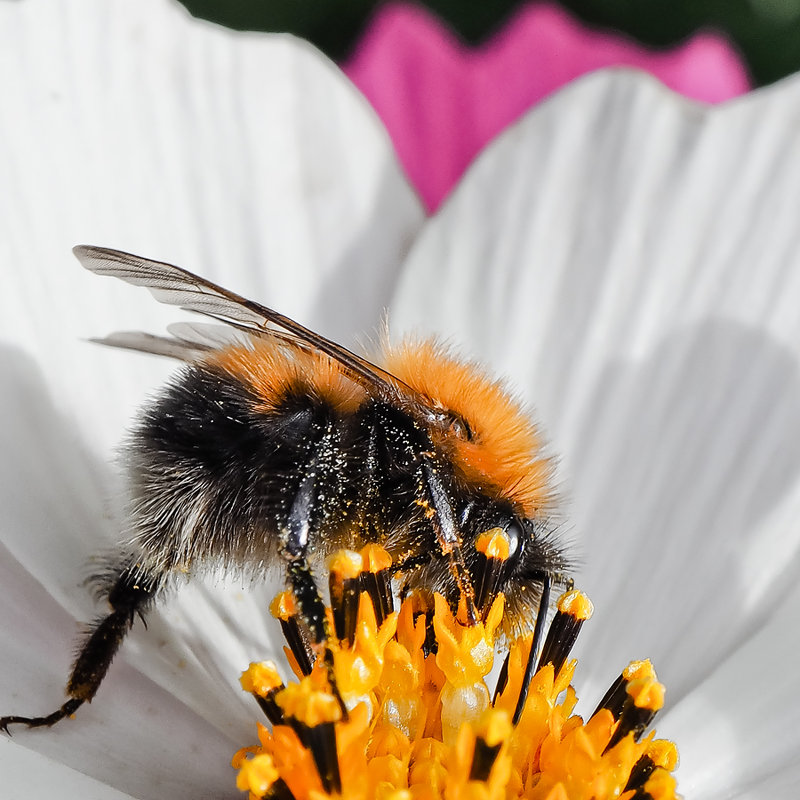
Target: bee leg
x: 447, y: 533
x: 312, y: 608
x: 304, y: 586
x: 538, y: 631
x: 129, y: 595
x: 295, y: 549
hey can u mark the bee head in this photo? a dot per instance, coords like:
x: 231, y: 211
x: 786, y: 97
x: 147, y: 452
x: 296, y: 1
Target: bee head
x: 510, y: 554
x: 486, y: 435
x: 499, y: 479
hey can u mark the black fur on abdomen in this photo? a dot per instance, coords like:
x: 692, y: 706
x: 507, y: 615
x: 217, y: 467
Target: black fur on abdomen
x: 213, y: 474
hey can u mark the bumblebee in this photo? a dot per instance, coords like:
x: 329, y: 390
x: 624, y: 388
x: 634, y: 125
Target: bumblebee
x: 274, y: 445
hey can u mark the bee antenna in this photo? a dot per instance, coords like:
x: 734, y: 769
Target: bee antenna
x: 538, y: 631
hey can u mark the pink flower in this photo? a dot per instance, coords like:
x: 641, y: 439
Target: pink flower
x: 442, y: 101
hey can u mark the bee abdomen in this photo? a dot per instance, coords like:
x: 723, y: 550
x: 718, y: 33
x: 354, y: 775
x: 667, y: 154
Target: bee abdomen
x: 213, y: 472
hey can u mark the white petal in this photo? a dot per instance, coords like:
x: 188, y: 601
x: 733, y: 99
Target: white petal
x: 781, y: 784
x: 631, y: 261
x: 247, y: 158
x: 737, y: 732
x: 137, y: 737
x: 29, y: 774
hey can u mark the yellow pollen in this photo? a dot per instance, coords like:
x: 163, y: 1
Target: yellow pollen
x: 576, y: 604
x: 425, y: 722
x: 308, y: 704
x: 375, y: 558
x: 257, y: 774
x: 646, y: 693
x: 346, y: 564
x: 260, y: 678
x: 663, y: 753
x: 493, y: 544
x: 639, y: 669
x: 283, y: 606
x: 660, y: 785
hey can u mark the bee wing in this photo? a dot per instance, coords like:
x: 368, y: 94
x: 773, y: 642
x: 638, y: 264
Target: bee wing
x: 179, y: 287
x: 216, y: 337
x: 206, y: 336
x: 187, y: 341
x: 168, y: 346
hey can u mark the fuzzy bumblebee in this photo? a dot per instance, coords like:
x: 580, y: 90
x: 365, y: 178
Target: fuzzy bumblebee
x: 274, y: 445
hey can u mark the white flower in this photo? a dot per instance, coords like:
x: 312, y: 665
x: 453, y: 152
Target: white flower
x: 629, y: 260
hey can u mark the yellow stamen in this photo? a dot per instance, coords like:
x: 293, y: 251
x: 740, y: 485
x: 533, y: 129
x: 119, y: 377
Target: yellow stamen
x: 647, y: 693
x: 260, y: 678
x: 639, y: 669
x: 257, y: 774
x: 660, y: 785
x: 283, y: 606
x: 422, y: 724
x: 375, y: 558
x: 576, y: 604
x: 308, y: 703
x: 493, y: 544
x: 346, y: 564
x: 358, y: 667
x: 663, y: 754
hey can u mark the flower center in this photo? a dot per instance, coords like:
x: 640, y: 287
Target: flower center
x: 398, y: 706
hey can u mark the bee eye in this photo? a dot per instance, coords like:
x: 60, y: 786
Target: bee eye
x: 514, y: 534
x: 460, y: 428
x: 454, y: 423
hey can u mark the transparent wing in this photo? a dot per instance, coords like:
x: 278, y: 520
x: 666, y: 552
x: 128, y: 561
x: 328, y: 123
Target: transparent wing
x: 207, y: 336
x: 168, y: 346
x: 215, y: 337
x: 179, y: 287
x: 188, y: 341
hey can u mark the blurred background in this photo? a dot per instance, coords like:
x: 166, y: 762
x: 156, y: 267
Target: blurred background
x: 766, y: 33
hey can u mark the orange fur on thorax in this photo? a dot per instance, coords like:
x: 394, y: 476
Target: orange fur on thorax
x: 273, y: 371
x: 504, y: 456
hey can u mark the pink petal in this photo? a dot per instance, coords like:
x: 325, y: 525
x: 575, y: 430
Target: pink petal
x: 442, y: 101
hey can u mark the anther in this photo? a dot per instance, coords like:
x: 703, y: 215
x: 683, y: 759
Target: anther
x: 660, y: 785
x: 423, y: 604
x: 530, y: 667
x: 344, y: 582
x: 617, y: 695
x: 645, y: 698
x: 502, y: 679
x: 496, y: 728
x: 263, y: 682
x: 376, y: 580
x: 313, y: 714
x: 260, y: 777
x: 572, y: 610
x: 660, y: 753
x: 285, y: 610
x: 279, y: 791
x: 493, y: 548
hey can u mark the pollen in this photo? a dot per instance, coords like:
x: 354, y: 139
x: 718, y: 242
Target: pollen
x: 576, y: 604
x: 415, y: 704
x: 493, y: 544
